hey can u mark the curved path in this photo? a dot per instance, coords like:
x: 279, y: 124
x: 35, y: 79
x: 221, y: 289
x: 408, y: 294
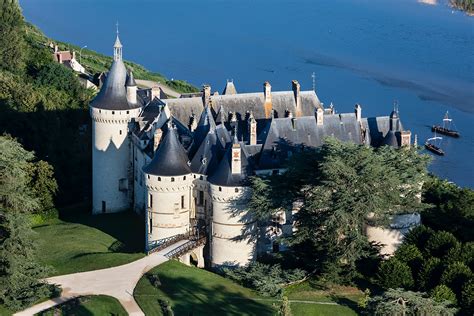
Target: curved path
x: 117, y: 282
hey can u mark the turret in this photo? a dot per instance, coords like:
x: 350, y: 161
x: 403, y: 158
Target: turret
x: 131, y: 89
x: 168, y: 185
x: 113, y: 111
x: 233, y: 229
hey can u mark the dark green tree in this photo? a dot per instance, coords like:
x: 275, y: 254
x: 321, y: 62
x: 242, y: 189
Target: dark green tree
x: 43, y: 184
x: 440, y: 243
x: 20, y: 274
x: 395, y: 274
x: 467, y: 298
x: 12, y: 42
x: 442, y: 293
x: 455, y: 276
x: 430, y: 274
x: 411, y: 255
x: 397, y: 302
x: 418, y: 236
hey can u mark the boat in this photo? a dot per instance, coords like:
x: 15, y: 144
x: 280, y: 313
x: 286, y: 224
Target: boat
x: 446, y: 128
x: 433, y: 147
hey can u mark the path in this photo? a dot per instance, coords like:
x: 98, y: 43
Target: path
x: 151, y: 84
x: 117, y: 282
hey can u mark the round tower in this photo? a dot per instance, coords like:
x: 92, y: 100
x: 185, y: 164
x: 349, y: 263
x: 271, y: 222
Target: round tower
x: 233, y: 240
x: 168, y: 183
x: 112, y: 112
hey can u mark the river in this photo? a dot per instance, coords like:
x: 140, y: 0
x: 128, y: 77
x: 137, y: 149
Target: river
x: 367, y: 52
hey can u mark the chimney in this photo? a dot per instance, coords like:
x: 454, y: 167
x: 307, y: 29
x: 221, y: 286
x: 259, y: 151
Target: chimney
x: 157, y: 138
x: 295, y: 85
x: 358, y: 112
x: 405, y: 139
x: 194, y: 123
x: 267, y: 96
x: 252, y: 130
x: 236, y: 159
x: 73, y: 54
x: 319, y: 116
x: 206, y: 95
x: 155, y: 93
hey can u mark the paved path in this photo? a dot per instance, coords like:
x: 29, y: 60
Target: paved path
x: 117, y: 282
x: 151, y: 84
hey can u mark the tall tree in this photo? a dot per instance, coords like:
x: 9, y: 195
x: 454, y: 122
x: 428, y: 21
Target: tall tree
x: 20, y: 274
x: 12, y: 42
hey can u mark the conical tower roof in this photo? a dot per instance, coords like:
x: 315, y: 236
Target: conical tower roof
x: 130, y: 80
x: 170, y: 159
x: 223, y: 175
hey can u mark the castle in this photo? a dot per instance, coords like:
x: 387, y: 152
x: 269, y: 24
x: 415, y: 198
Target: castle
x: 186, y: 162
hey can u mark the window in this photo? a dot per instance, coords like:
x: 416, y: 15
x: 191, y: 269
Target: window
x: 123, y: 184
x: 275, y: 172
x: 194, y: 176
x: 201, y: 197
x: 148, y: 176
x: 128, y: 112
x: 103, y: 207
x: 220, y: 189
x: 236, y: 190
x: 159, y: 178
x: 201, y: 177
x: 151, y: 225
x: 113, y: 112
x: 120, y: 132
x: 184, y: 178
x: 172, y: 179
x: 150, y: 200
x: 182, y: 201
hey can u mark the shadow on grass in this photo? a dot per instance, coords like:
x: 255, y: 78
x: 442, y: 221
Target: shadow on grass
x: 344, y: 301
x: 127, y: 227
x: 189, y: 297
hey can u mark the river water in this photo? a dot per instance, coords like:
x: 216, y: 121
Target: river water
x: 367, y: 52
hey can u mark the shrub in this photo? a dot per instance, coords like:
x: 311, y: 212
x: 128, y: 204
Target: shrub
x: 268, y: 280
x: 418, y: 236
x: 154, y: 280
x: 443, y: 293
x: 395, y: 274
x: 455, y: 276
x: 439, y: 244
x: 467, y: 298
x: 430, y: 274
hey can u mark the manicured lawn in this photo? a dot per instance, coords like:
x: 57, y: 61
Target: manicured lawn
x: 345, y: 297
x: 88, y: 305
x: 80, y: 242
x: 200, y: 292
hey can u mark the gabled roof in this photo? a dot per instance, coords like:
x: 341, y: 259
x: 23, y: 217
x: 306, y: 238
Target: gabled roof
x: 170, y: 159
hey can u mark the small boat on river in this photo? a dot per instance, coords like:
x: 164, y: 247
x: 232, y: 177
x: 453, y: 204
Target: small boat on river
x: 446, y: 129
x: 432, y: 146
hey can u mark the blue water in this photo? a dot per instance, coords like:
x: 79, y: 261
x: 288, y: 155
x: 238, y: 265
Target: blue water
x: 367, y: 52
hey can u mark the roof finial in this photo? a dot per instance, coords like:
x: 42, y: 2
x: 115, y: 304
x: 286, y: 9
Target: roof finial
x: 395, y: 105
x: 117, y: 46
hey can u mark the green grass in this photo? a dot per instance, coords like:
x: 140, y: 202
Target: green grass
x: 88, y: 305
x: 305, y: 309
x: 197, y: 291
x: 80, y: 242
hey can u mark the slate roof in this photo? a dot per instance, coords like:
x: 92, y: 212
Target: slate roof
x: 223, y: 175
x: 113, y: 94
x: 170, y: 158
x: 241, y: 103
x: 283, y: 136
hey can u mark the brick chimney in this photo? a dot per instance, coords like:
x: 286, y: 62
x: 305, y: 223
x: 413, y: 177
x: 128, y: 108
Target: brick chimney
x: 236, y: 159
x: 295, y: 86
x: 319, y: 116
x: 206, y: 95
x: 267, y: 99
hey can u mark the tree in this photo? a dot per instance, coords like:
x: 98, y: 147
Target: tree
x: 395, y: 274
x: 12, y: 42
x: 398, y: 302
x: 430, y: 274
x: 467, y: 298
x: 355, y: 182
x: 442, y: 293
x: 20, y: 274
x: 455, y: 276
x: 43, y: 184
x: 439, y: 244
x: 418, y: 236
x: 411, y: 255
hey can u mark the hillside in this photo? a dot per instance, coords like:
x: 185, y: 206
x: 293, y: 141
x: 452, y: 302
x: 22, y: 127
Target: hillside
x: 95, y: 62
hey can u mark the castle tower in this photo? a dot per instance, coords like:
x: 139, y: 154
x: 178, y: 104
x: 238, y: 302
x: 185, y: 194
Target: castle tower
x: 112, y: 113
x: 232, y: 235
x: 168, y: 184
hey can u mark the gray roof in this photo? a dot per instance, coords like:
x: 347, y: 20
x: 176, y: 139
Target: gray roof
x: 284, y: 136
x: 241, y: 103
x: 208, y: 154
x: 170, y: 159
x: 378, y: 128
x: 223, y: 175
x: 229, y: 88
x: 113, y: 94
x: 130, y: 80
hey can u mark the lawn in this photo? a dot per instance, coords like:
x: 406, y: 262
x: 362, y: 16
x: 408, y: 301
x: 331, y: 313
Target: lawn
x: 197, y: 291
x: 80, y: 242
x: 88, y: 305
x: 311, y: 290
